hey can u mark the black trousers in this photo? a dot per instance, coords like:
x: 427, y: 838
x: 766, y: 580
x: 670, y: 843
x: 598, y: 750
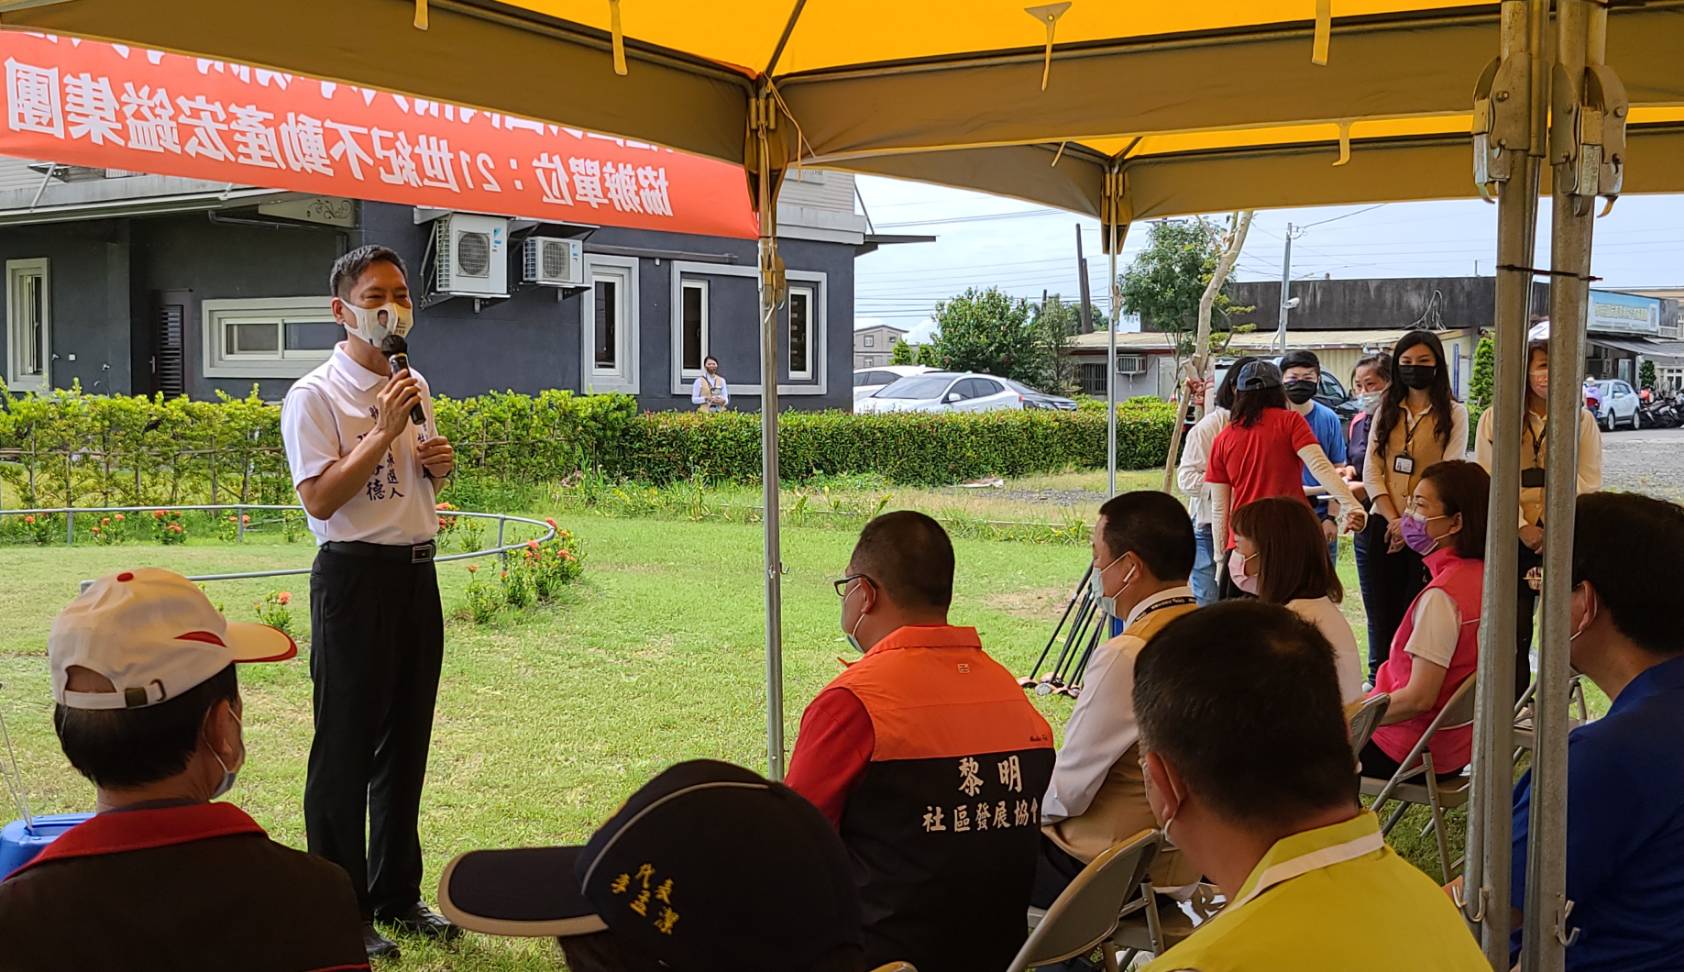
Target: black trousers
x: 1055, y: 868
x: 376, y: 645
x: 1525, y: 603
x: 1390, y: 583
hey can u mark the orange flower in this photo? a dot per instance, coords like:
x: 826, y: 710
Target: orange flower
x: 473, y: 568
x: 119, y: 518
x: 551, y: 521
x: 565, y: 555
x: 532, y: 545
x: 29, y: 519
x: 105, y: 521
x: 505, y: 575
x: 246, y: 518
x: 96, y: 529
x: 283, y: 598
x: 157, y: 514
x: 232, y: 518
x: 175, y: 528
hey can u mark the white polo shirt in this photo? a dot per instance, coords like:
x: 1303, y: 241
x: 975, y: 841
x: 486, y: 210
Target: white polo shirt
x: 324, y: 416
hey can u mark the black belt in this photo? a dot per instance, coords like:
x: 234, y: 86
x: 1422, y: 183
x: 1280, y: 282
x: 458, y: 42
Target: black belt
x: 418, y: 553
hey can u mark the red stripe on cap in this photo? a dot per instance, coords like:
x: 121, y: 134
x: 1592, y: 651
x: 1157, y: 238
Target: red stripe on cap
x: 204, y: 636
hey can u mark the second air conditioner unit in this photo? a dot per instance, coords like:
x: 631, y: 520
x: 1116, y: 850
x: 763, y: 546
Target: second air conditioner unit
x: 1131, y: 364
x: 553, y: 263
x: 471, y: 255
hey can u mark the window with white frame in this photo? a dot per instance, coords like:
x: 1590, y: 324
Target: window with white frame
x: 268, y: 337
x: 29, y: 329
x: 871, y: 340
x: 609, y: 319
x: 803, y: 307
x: 693, y: 328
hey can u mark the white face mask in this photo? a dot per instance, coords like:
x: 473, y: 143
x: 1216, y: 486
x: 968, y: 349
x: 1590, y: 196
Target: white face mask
x: 853, y: 633
x: 375, y: 324
x: 1096, y: 588
x: 229, y: 775
x: 1370, y: 401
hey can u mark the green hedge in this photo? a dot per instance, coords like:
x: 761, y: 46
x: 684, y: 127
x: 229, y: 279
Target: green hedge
x: 123, y: 450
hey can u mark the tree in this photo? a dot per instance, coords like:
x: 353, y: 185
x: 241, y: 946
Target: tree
x: 1646, y: 374
x: 1484, y: 374
x: 902, y: 353
x: 991, y: 332
x: 927, y: 356
x: 1166, y: 281
x: 1058, y: 322
x: 1229, y: 253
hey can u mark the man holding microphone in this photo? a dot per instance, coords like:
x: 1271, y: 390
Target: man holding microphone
x: 366, y: 470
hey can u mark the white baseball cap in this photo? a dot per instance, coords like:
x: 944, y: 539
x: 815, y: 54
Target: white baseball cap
x: 154, y: 635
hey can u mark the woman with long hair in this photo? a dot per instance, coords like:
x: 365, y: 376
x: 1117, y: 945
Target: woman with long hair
x: 1369, y: 381
x: 1280, y: 556
x: 1418, y: 425
x: 1190, y: 476
x: 1532, y: 461
x: 1262, y: 453
x: 1437, y: 646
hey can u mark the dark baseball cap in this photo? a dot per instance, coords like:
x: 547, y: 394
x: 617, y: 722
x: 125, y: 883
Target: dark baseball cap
x: 707, y: 867
x: 1257, y: 375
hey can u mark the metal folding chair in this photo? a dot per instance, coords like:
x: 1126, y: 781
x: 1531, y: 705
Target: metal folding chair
x: 1087, y: 912
x: 1429, y: 792
x: 1367, y: 718
x: 1525, y: 713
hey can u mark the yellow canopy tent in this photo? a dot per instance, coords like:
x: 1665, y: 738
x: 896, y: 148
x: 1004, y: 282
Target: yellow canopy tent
x: 1120, y: 109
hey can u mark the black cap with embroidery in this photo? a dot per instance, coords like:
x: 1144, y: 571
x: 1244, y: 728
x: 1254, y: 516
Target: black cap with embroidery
x: 708, y: 866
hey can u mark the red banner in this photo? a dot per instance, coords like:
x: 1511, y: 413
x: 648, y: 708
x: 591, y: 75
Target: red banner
x: 111, y: 106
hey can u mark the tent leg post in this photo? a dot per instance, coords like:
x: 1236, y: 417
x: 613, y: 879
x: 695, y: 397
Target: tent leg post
x: 771, y: 286
x: 1586, y: 121
x: 1512, y: 156
x: 1115, y: 233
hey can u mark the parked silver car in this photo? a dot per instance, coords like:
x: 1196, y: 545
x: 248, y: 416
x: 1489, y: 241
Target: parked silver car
x: 943, y: 391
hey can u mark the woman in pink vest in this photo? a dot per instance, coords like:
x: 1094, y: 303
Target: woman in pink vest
x: 1436, y: 647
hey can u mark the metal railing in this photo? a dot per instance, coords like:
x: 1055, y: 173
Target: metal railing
x: 501, y: 550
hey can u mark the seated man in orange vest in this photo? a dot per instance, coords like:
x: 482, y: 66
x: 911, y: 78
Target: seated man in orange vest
x: 929, y: 759
x: 1142, y: 556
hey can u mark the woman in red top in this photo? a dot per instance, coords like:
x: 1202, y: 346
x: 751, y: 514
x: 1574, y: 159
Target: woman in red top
x: 1261, y: 453
x: 1436, y: 647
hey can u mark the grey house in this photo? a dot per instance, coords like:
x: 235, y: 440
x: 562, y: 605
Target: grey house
x: 138, y: 284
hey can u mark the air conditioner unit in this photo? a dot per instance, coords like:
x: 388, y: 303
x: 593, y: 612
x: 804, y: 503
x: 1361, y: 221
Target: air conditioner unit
x: 554, y: 263
x: 1131, y: 364
x: 471, y: 256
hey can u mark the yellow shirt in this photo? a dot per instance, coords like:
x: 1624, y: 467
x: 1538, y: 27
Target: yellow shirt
x: 1332, y: 899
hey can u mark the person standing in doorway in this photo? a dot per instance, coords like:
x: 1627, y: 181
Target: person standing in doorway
x: 709, y: 394
x: 1532, y: 448
x: 1418, y: 425
x: 366, y: 475
x: 1301, y: 371
x: 1369, y: 381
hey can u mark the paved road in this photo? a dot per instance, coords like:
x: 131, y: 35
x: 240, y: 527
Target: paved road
x: 1646, y: 461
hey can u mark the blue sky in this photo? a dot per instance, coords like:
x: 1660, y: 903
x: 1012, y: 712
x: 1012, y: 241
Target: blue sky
x: 1024, y: 248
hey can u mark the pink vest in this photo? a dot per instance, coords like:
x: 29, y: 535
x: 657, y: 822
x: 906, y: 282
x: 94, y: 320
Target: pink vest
x: 1464, y: 581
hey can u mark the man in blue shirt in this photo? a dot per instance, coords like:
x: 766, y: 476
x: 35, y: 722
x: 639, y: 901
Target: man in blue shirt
x: 1301, y: 372
x: 1625, y: 771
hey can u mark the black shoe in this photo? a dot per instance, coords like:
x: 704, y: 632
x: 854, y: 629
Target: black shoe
x: 378, y: 945
x: 418, y: 919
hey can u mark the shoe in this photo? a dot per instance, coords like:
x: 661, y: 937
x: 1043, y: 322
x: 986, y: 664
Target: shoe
x: 378, y: 945
x: 418, y: 919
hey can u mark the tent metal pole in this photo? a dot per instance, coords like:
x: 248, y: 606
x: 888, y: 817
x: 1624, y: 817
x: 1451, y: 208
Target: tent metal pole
x: 1574, y: 147
x: 1111, y: 353
x: 771, y: 284
x: 1510, y: 154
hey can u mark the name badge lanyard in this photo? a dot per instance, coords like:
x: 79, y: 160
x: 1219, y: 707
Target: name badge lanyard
x: 1167, y: 602
x: 1404, y: 462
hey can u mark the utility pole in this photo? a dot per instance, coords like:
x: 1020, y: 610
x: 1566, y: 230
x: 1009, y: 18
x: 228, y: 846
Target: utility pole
x: 1286, y: 284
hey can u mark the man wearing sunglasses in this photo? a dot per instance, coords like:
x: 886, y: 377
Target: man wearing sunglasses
x: 928, y: 758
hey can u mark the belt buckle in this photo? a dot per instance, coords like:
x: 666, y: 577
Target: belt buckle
x: 421, y: 553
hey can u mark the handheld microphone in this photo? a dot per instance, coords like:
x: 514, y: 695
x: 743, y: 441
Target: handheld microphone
x: 396, y: 350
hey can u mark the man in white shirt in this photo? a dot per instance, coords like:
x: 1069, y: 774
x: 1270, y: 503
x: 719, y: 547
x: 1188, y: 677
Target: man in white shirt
x: 365, y: 471
x: 709, y: 392
x: 1143, y: 552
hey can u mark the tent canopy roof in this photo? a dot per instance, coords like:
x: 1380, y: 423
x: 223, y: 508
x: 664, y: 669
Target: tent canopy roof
x: 1202, y: 106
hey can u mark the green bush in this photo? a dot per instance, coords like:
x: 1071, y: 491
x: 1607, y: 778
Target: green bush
x: 88, y: 450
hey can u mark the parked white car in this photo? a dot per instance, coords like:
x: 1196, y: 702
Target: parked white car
x: 1615, y: 403
x: 869, y: 381
x: 943, y: 391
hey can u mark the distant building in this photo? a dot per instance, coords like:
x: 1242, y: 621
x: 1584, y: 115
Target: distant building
x: 874, y: 345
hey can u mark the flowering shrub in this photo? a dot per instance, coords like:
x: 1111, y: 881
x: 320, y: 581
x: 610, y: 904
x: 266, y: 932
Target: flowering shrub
x: 37, y: 528
x: 547, y: 567
x: 168, y: 527
x: 485, y: 601
x: 276, y: 611
x: 228, y: 529
x: 111, y: 529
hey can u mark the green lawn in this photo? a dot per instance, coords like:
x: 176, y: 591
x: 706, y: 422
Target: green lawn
x: 548, y: 720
